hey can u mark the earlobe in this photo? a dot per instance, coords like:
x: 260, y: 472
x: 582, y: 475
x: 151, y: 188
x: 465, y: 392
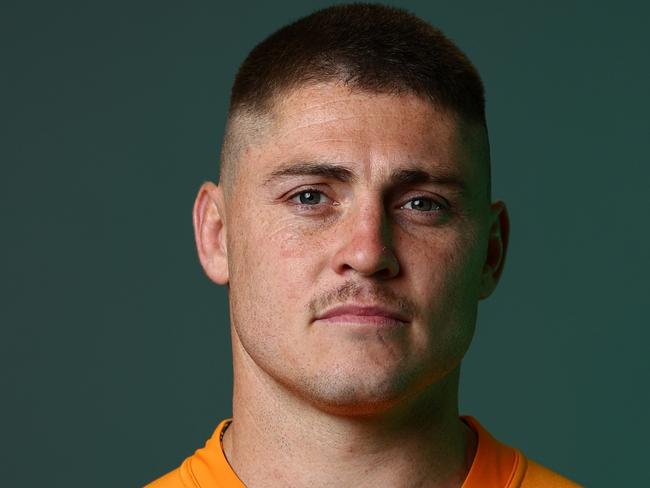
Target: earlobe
x: 209, y: 221
x: 497, y: 245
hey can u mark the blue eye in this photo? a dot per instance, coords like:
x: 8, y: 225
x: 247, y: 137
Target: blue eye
x: 422, y: 204
x: 309, y: 197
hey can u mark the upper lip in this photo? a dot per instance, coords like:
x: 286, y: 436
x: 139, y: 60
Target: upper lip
x: 363, y: 310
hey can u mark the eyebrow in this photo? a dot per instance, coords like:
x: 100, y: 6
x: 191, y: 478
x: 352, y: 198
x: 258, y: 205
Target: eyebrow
x: 418, y: 176
x: 312, y: 168
x: 341, y: 173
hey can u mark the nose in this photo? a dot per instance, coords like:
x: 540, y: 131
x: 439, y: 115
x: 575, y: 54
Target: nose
x: 365, y: 244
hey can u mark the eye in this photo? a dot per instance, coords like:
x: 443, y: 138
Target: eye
x: 423, y: 204
x: 308, y: 197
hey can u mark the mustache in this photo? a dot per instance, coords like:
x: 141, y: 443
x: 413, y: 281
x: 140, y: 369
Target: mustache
x: 351, y: 290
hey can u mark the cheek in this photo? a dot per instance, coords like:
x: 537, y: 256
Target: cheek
x: 277, y: 262
x: 446, y: 279
x: 445, y: 268
x: 300, y: 254
x: 299, y: 241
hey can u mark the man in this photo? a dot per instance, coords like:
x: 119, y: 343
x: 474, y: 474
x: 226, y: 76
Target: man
x: 354, y: 227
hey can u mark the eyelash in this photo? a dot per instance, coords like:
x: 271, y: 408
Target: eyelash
x: 439, y: 207
x: 308, y: 190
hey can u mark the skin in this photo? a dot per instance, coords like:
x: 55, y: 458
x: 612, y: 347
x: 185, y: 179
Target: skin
x: 361, y: 199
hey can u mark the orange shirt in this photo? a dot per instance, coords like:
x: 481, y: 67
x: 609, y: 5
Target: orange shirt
x: 495, y: 465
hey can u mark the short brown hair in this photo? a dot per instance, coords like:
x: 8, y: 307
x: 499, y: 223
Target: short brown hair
x: 371, y: 47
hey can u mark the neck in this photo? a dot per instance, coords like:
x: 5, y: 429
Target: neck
x: 279, y: 439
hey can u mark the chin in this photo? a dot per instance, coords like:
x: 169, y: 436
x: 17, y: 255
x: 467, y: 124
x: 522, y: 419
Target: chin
x: 357, y: 395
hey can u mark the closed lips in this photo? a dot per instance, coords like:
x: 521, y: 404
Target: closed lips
x: 361, y: 312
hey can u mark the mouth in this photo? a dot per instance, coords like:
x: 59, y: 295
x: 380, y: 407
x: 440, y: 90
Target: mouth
x: 363, y: 314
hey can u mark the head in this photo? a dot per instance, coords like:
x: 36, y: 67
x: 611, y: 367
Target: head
x: 353, y: 220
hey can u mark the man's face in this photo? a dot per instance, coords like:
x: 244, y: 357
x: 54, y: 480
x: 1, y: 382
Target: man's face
x: 357, y: 236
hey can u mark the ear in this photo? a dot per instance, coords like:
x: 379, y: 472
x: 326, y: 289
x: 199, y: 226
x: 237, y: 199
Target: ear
x: 208, y: 216
x: 497, y: 247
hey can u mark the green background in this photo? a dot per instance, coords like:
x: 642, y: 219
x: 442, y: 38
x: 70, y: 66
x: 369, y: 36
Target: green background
x: 114, y: 347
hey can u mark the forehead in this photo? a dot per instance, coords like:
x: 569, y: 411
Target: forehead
x: 373, y: 134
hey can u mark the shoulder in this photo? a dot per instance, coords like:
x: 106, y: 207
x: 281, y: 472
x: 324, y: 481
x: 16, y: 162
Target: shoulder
x: 499, y: 465
x: 170, y: 480
x: 206, y: 468
x: 538, y: 476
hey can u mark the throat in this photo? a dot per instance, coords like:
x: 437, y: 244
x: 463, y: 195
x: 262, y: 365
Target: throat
x: 344, y: 456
